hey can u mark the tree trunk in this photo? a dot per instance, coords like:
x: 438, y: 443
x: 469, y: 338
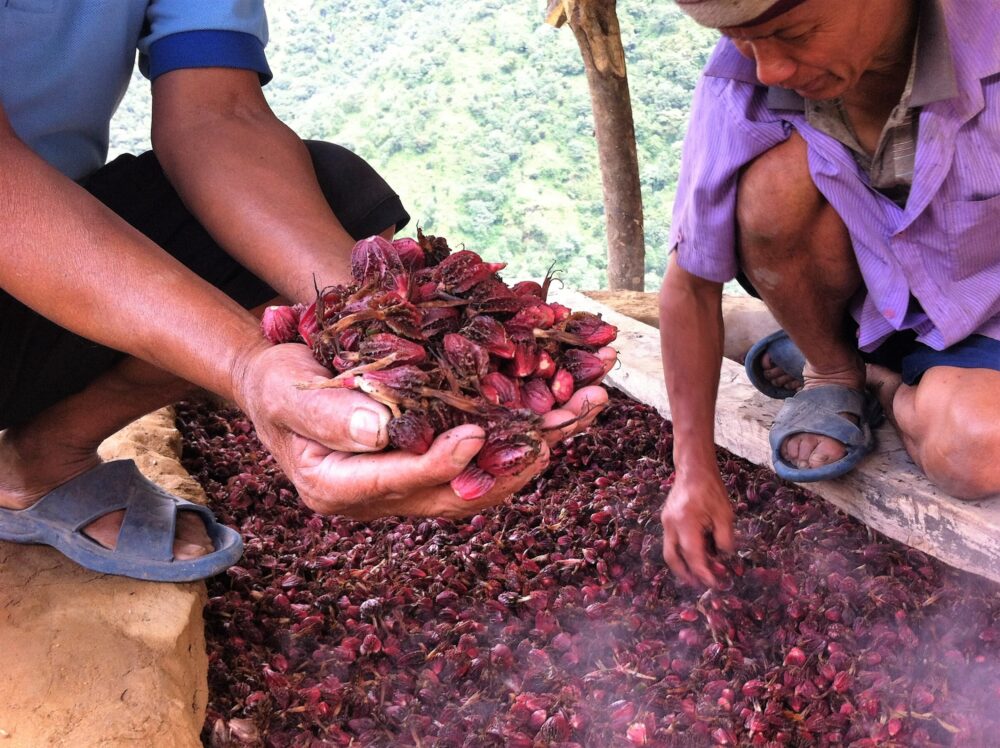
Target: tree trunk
x: 595, y: 25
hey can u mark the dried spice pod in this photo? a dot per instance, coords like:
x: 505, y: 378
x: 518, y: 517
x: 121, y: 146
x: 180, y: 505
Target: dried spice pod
x: 280, y: 323
x: 412, y: 432
x: 557, y: 606
x: 584, y: 367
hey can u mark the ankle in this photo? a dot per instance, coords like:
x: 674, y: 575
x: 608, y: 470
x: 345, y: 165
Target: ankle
x: 848, y: 373
x: 30, y: 468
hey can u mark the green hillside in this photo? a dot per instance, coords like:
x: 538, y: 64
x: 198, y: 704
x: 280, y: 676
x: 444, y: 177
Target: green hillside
x: 478, y: 114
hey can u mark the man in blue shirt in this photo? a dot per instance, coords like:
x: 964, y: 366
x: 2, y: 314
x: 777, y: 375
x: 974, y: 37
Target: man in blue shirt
x: 123, y: 287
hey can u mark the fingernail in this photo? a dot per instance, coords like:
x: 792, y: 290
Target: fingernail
x: 366, y: 426
x: 466, y: 448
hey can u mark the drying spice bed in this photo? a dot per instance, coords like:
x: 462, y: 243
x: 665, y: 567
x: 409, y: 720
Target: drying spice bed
x: 552, y: 620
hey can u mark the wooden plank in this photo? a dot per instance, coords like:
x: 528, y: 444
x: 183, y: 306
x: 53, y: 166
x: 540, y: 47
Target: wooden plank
x: 747, y: 319
x: 886, y: 492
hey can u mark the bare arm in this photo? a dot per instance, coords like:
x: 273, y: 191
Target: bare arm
x: 250, y: 181
x: 691, y: 334
x: 71, y: 259
x: 248, y: 178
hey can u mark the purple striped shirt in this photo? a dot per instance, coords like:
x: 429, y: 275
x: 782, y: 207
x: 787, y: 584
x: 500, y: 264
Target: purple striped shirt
x: 943, y: 247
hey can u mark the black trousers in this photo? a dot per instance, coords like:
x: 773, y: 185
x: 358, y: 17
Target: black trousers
x: 42, y: 363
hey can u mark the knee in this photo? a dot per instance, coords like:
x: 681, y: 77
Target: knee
x: 776, y: 200
x: 957, y: 444
x: 362, y: 200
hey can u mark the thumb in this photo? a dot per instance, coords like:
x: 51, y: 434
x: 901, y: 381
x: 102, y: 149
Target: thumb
x: 722, y: 533
x: 341, y: 420
x: 458, y: 446
x: 450, y: 453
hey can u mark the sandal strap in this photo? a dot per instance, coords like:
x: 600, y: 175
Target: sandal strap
x: 784, y: 353
x: 148, y: 529
x: 818, y: 411
x: 89, y: 496
x: 149, y: 526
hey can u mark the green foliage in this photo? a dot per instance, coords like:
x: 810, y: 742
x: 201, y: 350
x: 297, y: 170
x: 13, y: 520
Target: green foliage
x: 479, y: 116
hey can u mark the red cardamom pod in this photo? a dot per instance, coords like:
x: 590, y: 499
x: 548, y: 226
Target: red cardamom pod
x: 585, y: 367
x: 562, y: 386
x: 472, y: 483
x: 280, y: 323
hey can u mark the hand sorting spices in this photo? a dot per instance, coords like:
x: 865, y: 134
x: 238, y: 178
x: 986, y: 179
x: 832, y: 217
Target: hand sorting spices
x: 697, y: 520
x: 469, y: 380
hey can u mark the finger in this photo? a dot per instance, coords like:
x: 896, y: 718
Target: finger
x: 341, y: 420
x: 441, y: 500
x: 342, y: 483
x: 592, y: 400
x: 576, y: 415
x: 674, y: 559
x: 609, y: 357
x: 723, y: 535
x: 692, y: 542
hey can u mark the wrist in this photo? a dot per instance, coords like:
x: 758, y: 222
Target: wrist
x: 690, y: 462
x: 242, y: 371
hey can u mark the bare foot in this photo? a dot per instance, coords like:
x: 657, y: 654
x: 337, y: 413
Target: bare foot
x: 28, y: 472
x: 777, y: 376
x: 813, y: 450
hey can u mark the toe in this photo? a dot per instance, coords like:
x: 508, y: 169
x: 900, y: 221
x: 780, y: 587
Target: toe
x: 192, y: 540
x: 777, y: 376
x: 826, y: 451
x: 811, y: 450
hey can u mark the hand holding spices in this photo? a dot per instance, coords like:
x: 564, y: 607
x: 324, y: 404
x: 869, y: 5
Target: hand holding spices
x: 467, y: 379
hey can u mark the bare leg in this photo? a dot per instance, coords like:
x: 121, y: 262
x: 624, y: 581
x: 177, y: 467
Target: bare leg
x: 61, y: 443
x: 797, y: 252
x: 947, y: 423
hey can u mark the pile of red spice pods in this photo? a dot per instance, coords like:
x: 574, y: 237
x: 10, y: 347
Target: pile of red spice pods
x: 441, y: 340
x: 552, y: 620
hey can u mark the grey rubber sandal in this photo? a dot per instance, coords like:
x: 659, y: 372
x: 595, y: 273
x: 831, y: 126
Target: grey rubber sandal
x: 784, y: 353
x: 818, y: 411
x: 146, y: 539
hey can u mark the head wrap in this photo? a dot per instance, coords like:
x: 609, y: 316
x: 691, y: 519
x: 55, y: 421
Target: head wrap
x: 719, y: 14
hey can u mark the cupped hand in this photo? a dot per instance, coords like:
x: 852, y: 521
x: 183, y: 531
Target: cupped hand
x: 582, y: 408
x: 696, y: 508
x: 329, y: 442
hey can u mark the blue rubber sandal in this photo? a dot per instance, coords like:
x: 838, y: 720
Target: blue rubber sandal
x: 146, y: 539
x: 784, y: 353
x: 818, y: 411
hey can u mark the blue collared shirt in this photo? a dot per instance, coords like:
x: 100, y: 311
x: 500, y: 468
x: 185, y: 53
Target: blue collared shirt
x: 65, y: 64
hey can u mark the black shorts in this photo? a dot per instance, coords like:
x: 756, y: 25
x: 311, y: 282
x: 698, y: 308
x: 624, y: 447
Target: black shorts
x: 903, y: 353
x: 42, y: 363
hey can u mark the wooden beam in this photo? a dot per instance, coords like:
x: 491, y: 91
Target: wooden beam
x: 595, y: 26
x: 886, y: 492
x: 747, y: 319
x: 556, y: 14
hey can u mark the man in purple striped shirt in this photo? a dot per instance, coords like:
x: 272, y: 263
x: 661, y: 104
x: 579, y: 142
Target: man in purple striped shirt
x: 844, y: 159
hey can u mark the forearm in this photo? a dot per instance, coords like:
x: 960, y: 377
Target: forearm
x: 65, y: 255
x: 691, y: 337
x: 250, y: 181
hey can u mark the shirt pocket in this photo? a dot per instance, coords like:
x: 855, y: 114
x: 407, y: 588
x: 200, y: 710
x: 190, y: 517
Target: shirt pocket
x: 973, y: 236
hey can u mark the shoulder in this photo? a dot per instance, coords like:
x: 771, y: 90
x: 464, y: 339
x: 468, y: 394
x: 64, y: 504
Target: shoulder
x: 973, y: 27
